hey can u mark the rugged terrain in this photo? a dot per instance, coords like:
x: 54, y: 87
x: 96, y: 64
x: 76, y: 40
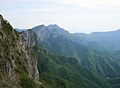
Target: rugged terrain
x: 18, y: 65
x: 51, y: 57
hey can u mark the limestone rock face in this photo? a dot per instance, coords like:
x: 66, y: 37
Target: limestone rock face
x: 17, y: 61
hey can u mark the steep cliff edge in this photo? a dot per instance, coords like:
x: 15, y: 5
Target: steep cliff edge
x: 18, y: 66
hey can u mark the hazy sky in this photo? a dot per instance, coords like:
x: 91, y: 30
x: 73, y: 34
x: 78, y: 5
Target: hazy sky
x: 73, y: 15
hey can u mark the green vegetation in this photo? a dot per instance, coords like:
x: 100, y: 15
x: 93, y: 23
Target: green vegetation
x: 63, y: 72
x: 26, y: 82
x: 101, y: 64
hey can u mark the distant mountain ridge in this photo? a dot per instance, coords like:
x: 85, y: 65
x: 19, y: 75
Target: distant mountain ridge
x: 96, y: 40
x: 108, y: 40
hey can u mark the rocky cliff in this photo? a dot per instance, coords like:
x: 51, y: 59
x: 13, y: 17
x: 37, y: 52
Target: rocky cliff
x: 18, y: 66
x: 29, y: 37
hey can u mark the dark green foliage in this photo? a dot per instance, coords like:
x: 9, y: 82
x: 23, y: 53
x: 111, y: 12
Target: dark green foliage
x: 26, y: 82
x: 64, y: 47
x: 62, y: 72
x: 43, y: 61
x: 102, y: 64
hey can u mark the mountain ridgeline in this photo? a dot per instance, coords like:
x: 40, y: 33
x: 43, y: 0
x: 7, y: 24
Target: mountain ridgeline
x: 51, y: 57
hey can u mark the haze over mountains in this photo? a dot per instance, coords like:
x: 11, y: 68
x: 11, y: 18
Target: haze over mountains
x: 64, y: 60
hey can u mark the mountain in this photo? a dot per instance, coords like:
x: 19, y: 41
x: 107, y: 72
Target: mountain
x: 18, y: 65
x: 51, y: 57
x: 97, y: 41
x: 82, y: 47
x: 56, y: 40
x: 44, y: 32
x: 54, y: 77
x: 60, y: 71
x: 63, y: 72
x: 103, y: 40
x: 110, y: 40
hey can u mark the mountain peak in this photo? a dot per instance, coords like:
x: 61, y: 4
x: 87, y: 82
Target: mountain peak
x: 39, y: 27
x: 49, y: 28
x: 53, y: 26
x: 56, y: 29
